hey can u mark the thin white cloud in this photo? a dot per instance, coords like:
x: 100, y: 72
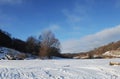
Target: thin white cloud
x: 53, y: 27
x: 72, y: 17
x: 5, y: 18
x: 117, y: 3
x: 91, y: 41
x: 78, y: 12
x: 2, y: 2
x: 76, y: 28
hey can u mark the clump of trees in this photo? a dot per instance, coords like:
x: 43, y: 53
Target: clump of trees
x: 47, y: 45
x: 32, y: 45
x: 18, y: 44
x: 50, y: 46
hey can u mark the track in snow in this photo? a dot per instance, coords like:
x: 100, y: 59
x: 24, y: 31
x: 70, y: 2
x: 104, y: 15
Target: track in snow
x: 59, y: 69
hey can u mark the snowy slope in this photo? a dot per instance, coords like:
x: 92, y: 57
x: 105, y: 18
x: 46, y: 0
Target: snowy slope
x: 10, y: 54
x: 59, y: 69
x: 4, y: 52
x: 114, y: 53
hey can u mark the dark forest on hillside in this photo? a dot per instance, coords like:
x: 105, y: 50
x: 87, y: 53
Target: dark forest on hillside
x: 44, y: 46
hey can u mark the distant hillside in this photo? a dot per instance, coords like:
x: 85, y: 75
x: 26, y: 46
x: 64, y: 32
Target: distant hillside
x: 99, y: 52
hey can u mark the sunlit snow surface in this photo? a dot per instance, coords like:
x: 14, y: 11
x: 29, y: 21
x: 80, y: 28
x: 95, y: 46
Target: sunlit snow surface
x: 59, y: 69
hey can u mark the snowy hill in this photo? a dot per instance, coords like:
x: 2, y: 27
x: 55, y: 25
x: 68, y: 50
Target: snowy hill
x: 11, y: 54
x: 59, y: 69
x: 8, y: 54
x: 112, y: 53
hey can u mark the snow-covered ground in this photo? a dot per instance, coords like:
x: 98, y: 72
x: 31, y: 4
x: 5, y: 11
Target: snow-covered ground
x: 59, y: 69
x: 10, y: 54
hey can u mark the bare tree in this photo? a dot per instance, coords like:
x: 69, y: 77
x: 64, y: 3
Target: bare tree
x: 50, y: 46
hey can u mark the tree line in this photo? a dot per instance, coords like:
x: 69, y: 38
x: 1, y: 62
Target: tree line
x: 46, y: 45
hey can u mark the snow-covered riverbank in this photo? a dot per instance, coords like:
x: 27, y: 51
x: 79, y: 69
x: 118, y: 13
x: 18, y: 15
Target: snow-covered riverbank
x: 59, y: 69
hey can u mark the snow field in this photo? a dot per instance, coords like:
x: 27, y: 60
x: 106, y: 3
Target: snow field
x: 59, y: 69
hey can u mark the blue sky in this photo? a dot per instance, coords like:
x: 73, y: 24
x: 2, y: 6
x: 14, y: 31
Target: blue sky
x: 80, y: 25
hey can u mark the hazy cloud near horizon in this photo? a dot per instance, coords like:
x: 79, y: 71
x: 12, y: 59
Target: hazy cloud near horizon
x: 92, y: 41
